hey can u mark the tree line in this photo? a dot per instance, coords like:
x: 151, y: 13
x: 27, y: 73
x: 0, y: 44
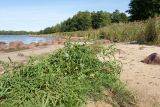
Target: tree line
x: 87, y: 20
x: 138, y: 10
x: 16, y: 32
x: 144, y: 9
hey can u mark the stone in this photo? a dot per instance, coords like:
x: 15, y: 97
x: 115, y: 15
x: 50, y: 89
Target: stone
x: 15, y: 45
x: 153, y: 58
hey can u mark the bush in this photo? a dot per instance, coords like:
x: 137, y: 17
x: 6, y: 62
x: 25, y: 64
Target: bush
x: 67, y: 78
x: 102, y: 35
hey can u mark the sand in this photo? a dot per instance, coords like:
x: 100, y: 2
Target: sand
x: 142, y: 79
x: 20, y: 56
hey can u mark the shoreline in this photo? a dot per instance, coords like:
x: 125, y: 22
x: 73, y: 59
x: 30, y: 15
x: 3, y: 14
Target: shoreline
x: 19, y: 45
x: 139, y: 77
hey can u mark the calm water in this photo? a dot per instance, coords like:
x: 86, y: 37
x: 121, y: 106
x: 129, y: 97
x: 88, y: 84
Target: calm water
x: 24, y: 38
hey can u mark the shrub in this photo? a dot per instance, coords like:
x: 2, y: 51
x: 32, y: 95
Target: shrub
x: 102, y: 35
x: 67, y: 78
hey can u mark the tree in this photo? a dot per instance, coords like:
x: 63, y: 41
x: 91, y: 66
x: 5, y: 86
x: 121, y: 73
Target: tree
x: 47, y: 30
x: 119, y: 17
x: 143, y: 9
x: 82, y: 21
x: 100, y: 19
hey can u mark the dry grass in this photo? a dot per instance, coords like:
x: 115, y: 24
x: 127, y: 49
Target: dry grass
x: 121, y: 32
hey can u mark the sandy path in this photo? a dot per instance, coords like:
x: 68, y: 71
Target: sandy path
x: 143, y: 79
x: 29, y: 52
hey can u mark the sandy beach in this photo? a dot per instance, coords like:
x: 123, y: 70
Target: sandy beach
x: 20, y: 56
x: 140, y: 78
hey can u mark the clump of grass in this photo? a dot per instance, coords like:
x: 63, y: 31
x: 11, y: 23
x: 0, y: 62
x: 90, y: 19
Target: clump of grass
x: 102, y: 35
x: 67, y: 78
x: 151, y: 35
x: 140, y: 31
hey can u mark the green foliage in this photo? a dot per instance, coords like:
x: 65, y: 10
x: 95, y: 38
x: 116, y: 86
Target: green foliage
x: 83, y: 21
x: 143, y: 9
x: 151, y: 35
x: 119, y: 17
x: 80, y: 21
x: 47, y: 30
x: 102, y: 35
x: 122, y: 32
x: 16, y: 33
x: 100, y: 19
x: 67, y: 78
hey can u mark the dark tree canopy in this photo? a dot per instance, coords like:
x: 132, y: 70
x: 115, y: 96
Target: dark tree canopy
x: 143, y: 9
x: 86, y: 20
x: 16, y: 32
x: 100, y: 19
x: 80, y: 22
x: 117, y: 17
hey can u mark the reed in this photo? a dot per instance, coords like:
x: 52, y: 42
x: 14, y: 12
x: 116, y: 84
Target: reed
x: 122, y: 32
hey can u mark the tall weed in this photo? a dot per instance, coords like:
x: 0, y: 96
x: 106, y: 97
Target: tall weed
x: 67, y: 78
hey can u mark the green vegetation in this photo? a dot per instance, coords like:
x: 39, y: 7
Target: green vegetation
x: 139, y: 10
x: 119, y: 17
x: 16, y: 33
x: 150, y: 34
x: 87, y: 20
x: 143, y: 9
x: 67, y: 78
x: 123, y: 32
x: 100, y: 19
x: 80, y: 22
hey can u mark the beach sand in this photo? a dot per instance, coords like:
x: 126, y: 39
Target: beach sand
x: 142, y: 79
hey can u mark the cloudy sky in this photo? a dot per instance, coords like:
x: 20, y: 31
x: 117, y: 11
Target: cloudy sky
x: 34, y: 15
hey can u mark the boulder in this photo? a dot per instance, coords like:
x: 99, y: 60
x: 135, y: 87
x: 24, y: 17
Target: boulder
x: 3, y: 45
x: 33, y: 45
x: 16, y: 45
x: 153, y: 58
x: 40, y: 44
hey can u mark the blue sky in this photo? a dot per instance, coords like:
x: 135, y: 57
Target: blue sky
x: 34, y: 15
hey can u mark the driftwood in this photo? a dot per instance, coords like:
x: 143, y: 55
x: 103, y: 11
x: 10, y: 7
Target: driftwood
x: 154, y: 58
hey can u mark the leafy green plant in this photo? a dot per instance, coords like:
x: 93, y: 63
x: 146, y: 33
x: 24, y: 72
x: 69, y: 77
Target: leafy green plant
x: 67, y: 78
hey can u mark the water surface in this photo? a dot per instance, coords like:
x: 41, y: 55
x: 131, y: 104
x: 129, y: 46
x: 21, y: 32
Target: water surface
x: 24, y: 38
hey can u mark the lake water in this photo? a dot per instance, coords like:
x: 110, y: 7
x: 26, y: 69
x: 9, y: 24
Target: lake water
x: 24, y: 38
